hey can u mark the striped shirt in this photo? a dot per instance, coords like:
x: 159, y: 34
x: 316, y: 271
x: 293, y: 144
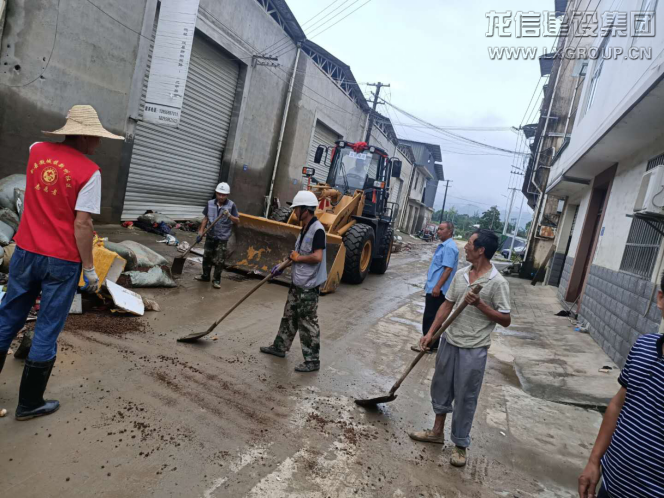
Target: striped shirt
x: 633, y: 464
x: 472, y: 329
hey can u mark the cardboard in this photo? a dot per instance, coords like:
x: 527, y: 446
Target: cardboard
x: 125, y: 299
x: 108, y: 265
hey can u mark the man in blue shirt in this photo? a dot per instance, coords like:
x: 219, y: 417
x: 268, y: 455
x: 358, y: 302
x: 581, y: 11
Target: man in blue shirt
x: 629, y: 449
x: 441, y: 272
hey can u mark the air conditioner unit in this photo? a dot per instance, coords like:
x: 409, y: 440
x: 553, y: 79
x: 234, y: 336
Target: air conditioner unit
x: 650, y: 199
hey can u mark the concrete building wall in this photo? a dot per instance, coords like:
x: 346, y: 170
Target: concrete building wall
x: 622, y: 82
x: 92, y: 61
x: 316, y: 97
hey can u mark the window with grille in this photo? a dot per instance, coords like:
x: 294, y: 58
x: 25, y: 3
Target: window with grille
x: 655, y: 161
x: 642, y: 247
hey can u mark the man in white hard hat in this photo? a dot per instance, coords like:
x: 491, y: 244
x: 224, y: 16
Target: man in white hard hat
x: 214, y: 253
x: 309, y: 272
x: 53, y: 242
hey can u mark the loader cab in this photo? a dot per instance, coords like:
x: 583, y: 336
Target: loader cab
x: 362, y: 167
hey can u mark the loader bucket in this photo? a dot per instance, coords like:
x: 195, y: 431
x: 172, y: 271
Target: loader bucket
x: 258, y: 244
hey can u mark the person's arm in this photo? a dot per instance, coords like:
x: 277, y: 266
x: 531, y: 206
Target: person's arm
x: 312, y: 259
x: 500, y: 317
x: 441, y: 315
x: 84, y: 233
x: 234, y: 215
x: 590, y: 476
x: 443, y: 278
x: 201, y: 229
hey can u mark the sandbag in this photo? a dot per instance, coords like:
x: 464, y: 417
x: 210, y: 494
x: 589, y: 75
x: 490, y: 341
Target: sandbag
x: 6, y: 234
x: 10, y: 218
x: 154, y: 277
x: 7, y: 253
x: 145, y: 257
x: 19, y: 201
x: 125, y: 253
x: 153, y: 218
x: 7, y: 186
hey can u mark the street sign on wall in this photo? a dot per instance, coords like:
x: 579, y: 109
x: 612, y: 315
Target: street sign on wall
x: 170, y: 62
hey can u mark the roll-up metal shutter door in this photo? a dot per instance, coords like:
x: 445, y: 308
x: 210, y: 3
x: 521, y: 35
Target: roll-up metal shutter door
x: 322, y: 136
x: 174, y: 170
x: 395, y: 189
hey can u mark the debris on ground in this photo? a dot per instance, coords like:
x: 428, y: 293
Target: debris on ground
x: 7, y: 187
x: 184, y: 246
x: 169, y: 241
x: 151, y: 304
x: 3, y: 412
x: 145, y: 267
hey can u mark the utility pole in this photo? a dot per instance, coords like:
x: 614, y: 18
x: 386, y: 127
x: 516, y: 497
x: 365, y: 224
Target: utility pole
x: 509, y: 211
x: 442, y: 212
x: 378, y: 86
x: 516, y: 229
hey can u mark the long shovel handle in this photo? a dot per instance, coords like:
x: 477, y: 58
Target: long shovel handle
x: 282, y: 267
x: 222, y: 215
x: 443, y: 327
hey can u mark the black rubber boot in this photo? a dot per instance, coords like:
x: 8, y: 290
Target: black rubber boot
x: 3, y: 357
x: 31, y: 401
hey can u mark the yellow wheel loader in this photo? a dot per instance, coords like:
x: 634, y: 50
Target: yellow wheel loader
x: 353, y: 207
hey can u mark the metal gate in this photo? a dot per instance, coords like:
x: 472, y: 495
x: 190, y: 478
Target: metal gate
x: 322, y: 136
x: 174, y: 171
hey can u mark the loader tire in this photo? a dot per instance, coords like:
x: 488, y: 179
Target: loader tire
x: 281, y: 214
x: 359, y: 242
x: 379, y: 266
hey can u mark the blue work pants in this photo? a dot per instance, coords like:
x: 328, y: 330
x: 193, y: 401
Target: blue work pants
x: 30, y: 274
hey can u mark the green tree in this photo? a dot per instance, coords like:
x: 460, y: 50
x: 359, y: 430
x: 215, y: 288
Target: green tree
x: 491, y: 219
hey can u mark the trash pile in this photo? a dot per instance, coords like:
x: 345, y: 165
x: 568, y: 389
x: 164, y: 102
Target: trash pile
x: 160, y: 224
x: 12, y: 194
x: 399, y: 245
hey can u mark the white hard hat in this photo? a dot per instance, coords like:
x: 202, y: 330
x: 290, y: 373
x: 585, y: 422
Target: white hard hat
x: 305, y: 198
x: 223, y: 188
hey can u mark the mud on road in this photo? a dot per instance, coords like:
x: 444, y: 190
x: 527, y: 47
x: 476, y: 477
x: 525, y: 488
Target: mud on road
x: 143, y: 415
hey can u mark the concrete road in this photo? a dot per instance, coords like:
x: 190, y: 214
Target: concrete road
x: 143, y: 415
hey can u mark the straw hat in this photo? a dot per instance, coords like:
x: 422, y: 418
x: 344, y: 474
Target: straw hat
x: 83, y: 120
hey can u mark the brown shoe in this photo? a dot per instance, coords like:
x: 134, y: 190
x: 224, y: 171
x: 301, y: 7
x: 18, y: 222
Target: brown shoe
x: 427, y: 436
x: 459, y: 457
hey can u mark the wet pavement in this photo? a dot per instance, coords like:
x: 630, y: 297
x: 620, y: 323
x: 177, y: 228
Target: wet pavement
x: 143, y: 415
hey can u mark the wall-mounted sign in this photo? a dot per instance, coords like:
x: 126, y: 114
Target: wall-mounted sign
x: 170, y: 62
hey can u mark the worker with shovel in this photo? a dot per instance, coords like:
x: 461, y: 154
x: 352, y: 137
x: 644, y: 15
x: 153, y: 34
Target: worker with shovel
x: 462, y: 352
x: 309, y: 272
x: 54, y: 240
x: 214, y: 252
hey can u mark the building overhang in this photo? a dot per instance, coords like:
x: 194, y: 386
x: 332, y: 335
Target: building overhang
x: 638, y: 127
x: 567, y: 186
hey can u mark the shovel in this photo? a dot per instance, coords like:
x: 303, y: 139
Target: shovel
x: 178, y: 263
x: 197, y: 335
x: 391, y: 396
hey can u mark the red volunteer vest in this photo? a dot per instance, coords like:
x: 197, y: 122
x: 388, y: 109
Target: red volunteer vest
x: 56, y: 174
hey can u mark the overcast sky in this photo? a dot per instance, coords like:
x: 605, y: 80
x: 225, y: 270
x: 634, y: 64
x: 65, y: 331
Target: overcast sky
x: 434, y: 54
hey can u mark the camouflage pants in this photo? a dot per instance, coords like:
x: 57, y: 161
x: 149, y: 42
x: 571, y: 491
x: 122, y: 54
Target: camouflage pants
x: 300, y: 313
x: 214, y: 254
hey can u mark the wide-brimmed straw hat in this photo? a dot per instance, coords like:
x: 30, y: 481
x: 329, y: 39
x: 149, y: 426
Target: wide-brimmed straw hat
x: 83, y: 120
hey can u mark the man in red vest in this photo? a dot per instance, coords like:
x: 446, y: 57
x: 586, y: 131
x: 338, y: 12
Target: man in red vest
x: 54, y: 239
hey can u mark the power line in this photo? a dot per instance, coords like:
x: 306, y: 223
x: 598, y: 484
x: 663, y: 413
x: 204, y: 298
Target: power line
x: 282, y: 38
x: 329, y: 27
x: 321, y: 22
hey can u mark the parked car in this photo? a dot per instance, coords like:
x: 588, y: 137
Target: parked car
x: 519, y: 246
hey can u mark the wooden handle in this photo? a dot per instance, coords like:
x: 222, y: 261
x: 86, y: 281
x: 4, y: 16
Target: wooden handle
x: 443, y: 327
x: 282, y: 267
x: 222, y: 215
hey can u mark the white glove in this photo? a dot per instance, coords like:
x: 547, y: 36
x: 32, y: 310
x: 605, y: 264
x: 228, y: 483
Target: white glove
x: 91, y: 280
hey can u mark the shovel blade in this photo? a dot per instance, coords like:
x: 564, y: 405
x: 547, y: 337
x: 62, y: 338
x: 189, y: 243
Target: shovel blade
x: 375, y: 401
x: 178, y: 266
x: 193, y: 337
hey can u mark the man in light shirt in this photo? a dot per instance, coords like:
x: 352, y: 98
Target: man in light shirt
x: 462, y: 352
